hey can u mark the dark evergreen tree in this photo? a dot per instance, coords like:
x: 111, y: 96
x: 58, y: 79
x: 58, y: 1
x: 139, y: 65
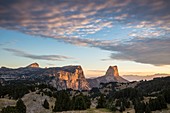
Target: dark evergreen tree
x: 139, y: 106
x: 122, y: 108
x: 46, y: 104
x: 63, y: 102
x: 87, y: 101
x: 147, y: 109
x: 101, y: 102
x: 20, y: 106
x: 79, y: 103
x: 9, y: 109
x: 118, y: 103
x: 113, y: 108
x: 127, y: 104
x: 166, y: 94
x: 162, y: 102
x: 57, y: 106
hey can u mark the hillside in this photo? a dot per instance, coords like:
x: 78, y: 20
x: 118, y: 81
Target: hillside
x: 114, y: 96
x: 65, y: 89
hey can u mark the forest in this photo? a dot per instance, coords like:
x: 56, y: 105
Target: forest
x: 157, y: 91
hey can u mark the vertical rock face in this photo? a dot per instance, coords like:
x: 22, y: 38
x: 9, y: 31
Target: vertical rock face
x: 70, y: 77
x: 112, y: 75
x: 64, y: 77
x: 112, y: 71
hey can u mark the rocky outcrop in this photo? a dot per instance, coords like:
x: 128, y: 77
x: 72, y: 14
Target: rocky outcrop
x: 70, y: 77
x: 112, y: 75
x: 112, y: 71
x: 59, y: 77
x: 33, y: 65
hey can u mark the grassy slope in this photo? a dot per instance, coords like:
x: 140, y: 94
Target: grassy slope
x: 6, y: 102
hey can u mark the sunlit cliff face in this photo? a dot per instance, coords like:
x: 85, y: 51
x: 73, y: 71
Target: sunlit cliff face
x: 112, y: 71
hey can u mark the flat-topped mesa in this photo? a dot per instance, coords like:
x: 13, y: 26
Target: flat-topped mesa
x: 70, y: 77
x: 33, y: 65
x: 112, y: 71
x: 72, y: 68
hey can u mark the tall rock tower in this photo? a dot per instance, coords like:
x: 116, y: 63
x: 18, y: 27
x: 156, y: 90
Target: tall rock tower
x: 112, y: 75
x: 112, y: 71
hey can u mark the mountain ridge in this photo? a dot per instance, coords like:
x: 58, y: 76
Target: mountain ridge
x: 71, y: 76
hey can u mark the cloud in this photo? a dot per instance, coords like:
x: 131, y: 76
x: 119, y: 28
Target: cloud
x: 38, y: 57
x: 121, y: 17
x: 50, y: 64
x: 2, y: 44
x: 147, y: 23
x: 155, y: 51
x: 72, y: 18
x: 97, y: 71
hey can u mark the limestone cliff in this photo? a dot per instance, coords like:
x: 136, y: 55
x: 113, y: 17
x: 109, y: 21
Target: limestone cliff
x: 59, y: 77
x: 112, y: 71
x: 70, y: 77
x: 112, y: 75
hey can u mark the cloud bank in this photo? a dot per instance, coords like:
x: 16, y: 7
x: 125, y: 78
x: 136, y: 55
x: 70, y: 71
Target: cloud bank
x: 147, y: 23
x: 37, y: 57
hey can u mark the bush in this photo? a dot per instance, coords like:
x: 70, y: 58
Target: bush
x: 21, y: 108
x: 46, y: 104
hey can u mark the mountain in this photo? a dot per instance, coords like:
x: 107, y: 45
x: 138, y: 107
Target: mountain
x: 70, y: 77
x: 147, y: 77
x: 33, y: 65
x: 112, y: 75
x: 66, y: 77
x: 61, y: 77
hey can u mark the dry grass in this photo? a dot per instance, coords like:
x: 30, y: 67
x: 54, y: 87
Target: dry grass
x: 92, y: 110
x: 6, y: 102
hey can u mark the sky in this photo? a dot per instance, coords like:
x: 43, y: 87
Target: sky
x: 132, y: 34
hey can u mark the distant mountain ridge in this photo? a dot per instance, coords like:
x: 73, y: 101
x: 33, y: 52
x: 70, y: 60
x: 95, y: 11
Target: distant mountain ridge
x: 62, y: 77
x: 147, y: 77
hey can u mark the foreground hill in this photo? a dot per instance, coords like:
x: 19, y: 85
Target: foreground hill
x: 133, y: 97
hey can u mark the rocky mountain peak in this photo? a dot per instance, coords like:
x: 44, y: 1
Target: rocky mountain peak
x: 70, y: 77
x: 112, y: 71
x: 34, y: 65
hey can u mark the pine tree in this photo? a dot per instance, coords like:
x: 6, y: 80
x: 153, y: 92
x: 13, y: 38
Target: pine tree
x: 167, y: 95
x: 118, y: 103
x: 147, y: 109
x: 46, y: 104
x: 87, y: 101
x: 21, y: 108
x: 62, y: 102
x: 162, y: 102
x: 79, y: 103
x: 101, y: 102
x: 122, y: 108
